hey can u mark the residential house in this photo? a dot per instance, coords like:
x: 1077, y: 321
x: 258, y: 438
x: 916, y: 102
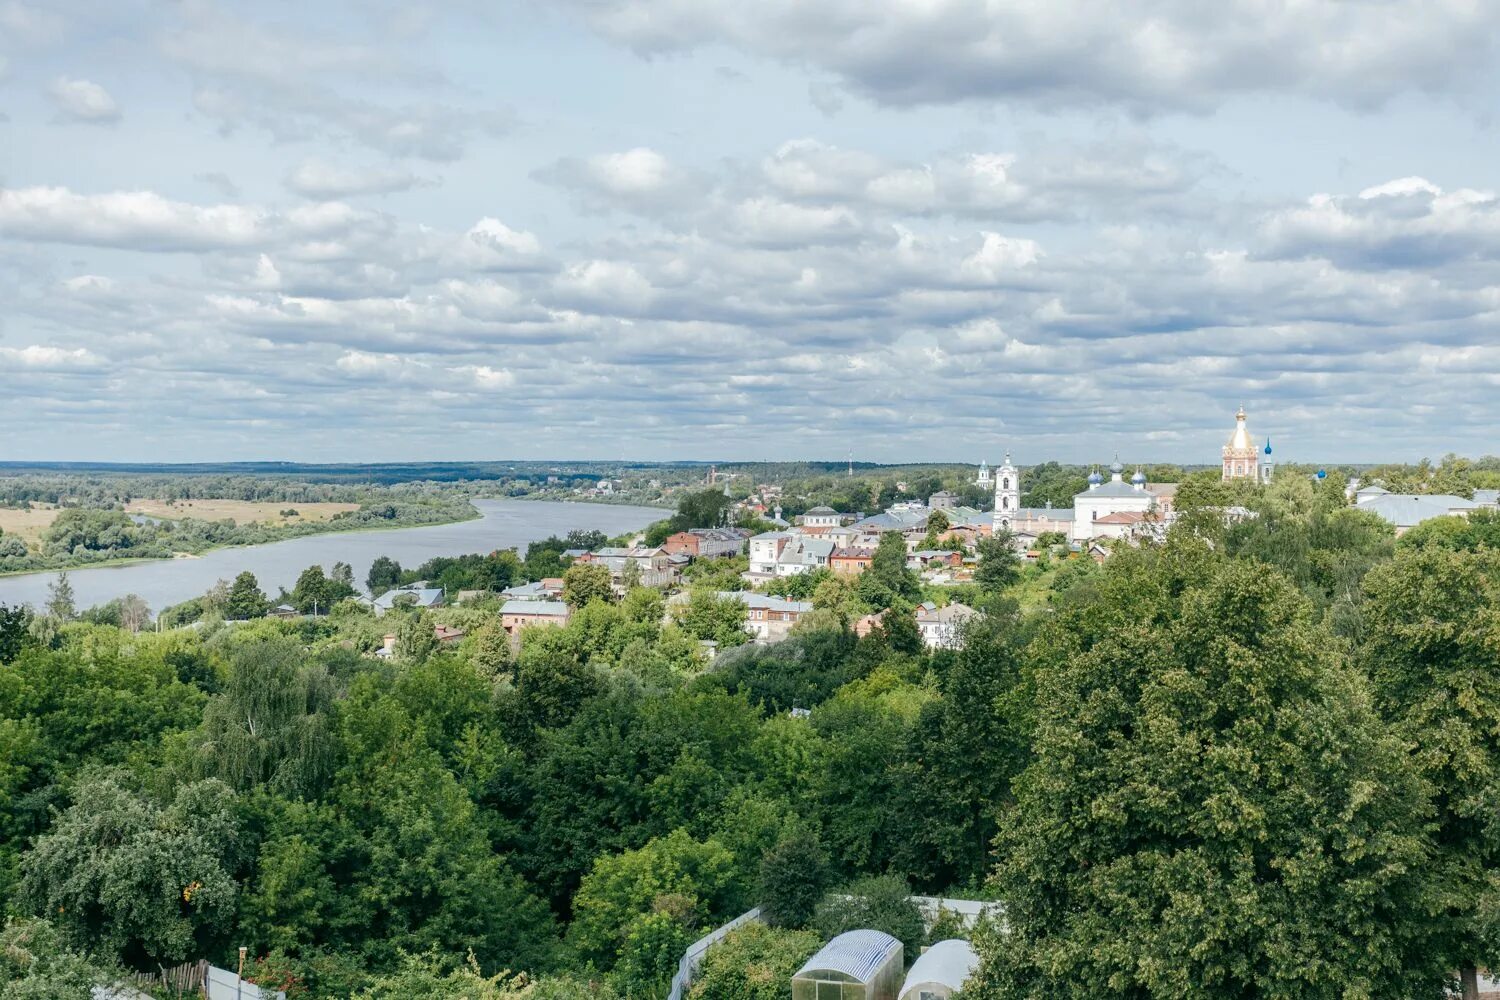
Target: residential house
x: 655, y: 564
x: 942, y: 628
x: 928, y: 558
x: 786, y: 553
x: 819, y: 519
x: 1407, y: 510
x: 943, y: 500
x: 1120, y: 524
x: 516, y: 615
x: 283, y: 611
x: 444, y: 635
x: 544, y: 589
x: 851, y: 560
x: 707, y: 543
x: 413, y: 596
x: 768, y: 618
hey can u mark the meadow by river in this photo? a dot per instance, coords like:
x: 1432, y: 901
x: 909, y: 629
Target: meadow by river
x: 502, y: 524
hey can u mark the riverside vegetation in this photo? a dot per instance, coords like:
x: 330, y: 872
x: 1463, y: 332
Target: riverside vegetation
x: 1256, y: 759
x: 92, y: 526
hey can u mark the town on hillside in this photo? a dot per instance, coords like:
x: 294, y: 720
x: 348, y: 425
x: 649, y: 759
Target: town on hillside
x: 941, y: 541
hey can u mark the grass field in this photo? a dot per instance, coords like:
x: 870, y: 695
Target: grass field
x: 238, y: 511
x: 29, y: 524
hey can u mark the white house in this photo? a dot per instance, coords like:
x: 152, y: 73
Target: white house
x: 942, y: 628
x: 787, y: 553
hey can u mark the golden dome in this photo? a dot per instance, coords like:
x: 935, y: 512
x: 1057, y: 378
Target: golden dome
x: 1240, y: 440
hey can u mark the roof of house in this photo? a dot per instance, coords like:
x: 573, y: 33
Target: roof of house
x: 633, y: 552
x: 573, y: 553
x: 853, y: 552
x: 893, y: 520
x: 1121, y: 517
x: 765, y: 602
x: 425, y: 597
x: 1044, y: 513
x: 1406, y: 509
x: 952, y: 613
x: 857, y: 954
x: 540, y: 609
x: 1487, y: 496
x: 721, y: 534
x: 524, y: 590
x: 820, y: 509
x: 949, y: 963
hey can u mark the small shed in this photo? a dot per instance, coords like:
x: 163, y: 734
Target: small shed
x: 856, y: 965
x: 940, y: 971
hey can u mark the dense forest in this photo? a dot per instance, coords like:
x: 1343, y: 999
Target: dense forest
x: 1259, y: 758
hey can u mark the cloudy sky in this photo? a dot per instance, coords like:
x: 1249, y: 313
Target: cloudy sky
x: 658, y: 229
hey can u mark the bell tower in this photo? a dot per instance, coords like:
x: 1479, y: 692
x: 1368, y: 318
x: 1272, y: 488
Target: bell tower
x: 1007, y: 494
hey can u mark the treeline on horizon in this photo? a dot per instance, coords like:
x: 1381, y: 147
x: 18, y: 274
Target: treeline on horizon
x: 1259, y: 758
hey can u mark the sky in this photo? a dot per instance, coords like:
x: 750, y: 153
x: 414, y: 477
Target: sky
x: 914, y: 230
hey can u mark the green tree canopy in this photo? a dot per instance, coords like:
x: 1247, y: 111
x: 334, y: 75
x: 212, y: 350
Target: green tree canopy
x: 1213, y: 808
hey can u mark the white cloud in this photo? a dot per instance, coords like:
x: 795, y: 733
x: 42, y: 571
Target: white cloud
x: 367, y: 365
x: 84, y: 101
x: 38, y: 357
x: 486, y: 378
x: 1168, y: 54
x: 144, y: 220
x: 316, y: 178
x: 1408, y: 222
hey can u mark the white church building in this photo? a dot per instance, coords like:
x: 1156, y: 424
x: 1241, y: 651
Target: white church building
x: 1107, y: 509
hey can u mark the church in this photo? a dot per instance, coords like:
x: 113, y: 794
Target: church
x: 1113, y: 509
x: 1241, y: 459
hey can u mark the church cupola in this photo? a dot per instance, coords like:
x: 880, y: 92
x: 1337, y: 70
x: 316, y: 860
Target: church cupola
x: 1138, y: 480
x: 1095, y: 479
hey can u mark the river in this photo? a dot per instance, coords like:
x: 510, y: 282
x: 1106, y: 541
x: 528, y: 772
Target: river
x: 502, y: 524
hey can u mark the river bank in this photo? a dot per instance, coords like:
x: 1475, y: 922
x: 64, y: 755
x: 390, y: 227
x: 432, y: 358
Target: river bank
x: 499, y: 524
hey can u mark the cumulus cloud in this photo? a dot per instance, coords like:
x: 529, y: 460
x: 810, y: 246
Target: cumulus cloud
x: 144, y: 220
x: 316, y: 178
x: 1406, y: 222
x: 44, y: 358
x: 640, y: 178
x: 1169, y: 54
x: 83, y: 101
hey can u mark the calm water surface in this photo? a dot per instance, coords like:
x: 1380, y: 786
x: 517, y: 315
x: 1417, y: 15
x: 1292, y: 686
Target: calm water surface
x: 503, y: 524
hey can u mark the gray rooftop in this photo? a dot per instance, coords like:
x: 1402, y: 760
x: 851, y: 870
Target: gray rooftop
x: 425, y: 597
x: 550, y: 609
x: 765, y: 602
x: 1407, y: 509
